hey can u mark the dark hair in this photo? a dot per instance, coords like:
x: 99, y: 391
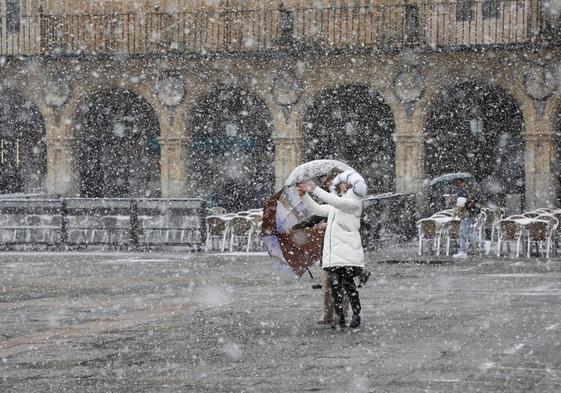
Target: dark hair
x: 330, y: 176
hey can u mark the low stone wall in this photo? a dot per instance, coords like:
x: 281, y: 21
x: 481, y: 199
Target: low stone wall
x: 75, y: 223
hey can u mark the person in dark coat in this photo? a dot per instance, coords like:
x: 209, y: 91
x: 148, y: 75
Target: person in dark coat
x: 310, y: 222
x: 343, y: 254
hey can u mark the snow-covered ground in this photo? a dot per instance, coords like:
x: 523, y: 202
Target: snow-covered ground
x: 169, y: 322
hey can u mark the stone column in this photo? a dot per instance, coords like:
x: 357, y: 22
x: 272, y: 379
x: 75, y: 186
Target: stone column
x: 409, y: 86
x: 409, y: 151
x: 286, y: 90
x: 61, y: 172
x: 173, y: 167
x: 541, y: 180
x: 408, y: 163
x: 539, y: 82
x: 170, y: 90
x: 287, y: 157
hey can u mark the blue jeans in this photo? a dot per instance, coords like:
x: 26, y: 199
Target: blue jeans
x: 465, y: 232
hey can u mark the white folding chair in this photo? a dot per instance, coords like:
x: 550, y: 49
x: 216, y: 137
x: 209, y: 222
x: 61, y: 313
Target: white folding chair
x: 452, y: 234
x: 429, y: 230
x: 216, y: 227
x: 509, y: 231
x: 217, y: 211
x: 541, y: 232
x: 257, y: 219
x: 241, y: 227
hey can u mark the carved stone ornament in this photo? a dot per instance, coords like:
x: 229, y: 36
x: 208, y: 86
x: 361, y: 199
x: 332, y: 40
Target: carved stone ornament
x: 286, y: 88
x: 539, y: 83
x: 56, y: 90
x: 409, y: 85
x: 170, y: 90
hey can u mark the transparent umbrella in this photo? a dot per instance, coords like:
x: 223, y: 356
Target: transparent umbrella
x: 295, y: 250
x: 313, y: 170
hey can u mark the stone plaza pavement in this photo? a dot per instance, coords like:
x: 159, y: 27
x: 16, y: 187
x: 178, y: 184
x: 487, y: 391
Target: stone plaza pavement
x: 174, y: 322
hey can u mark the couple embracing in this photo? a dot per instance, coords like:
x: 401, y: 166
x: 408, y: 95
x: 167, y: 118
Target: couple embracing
x: 343, y: 255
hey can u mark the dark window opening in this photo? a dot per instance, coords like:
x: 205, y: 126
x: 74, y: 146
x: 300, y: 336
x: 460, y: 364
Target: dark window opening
x: 465, y: 10
x: 10, y: 181
x: 118, y: 152
x: 286, y: 22
x: 477, y: 128
x: 355, y: 125
x: 13, y: 15
x: 490, y: 9
x: 232, y: 152
x: 23, y: 164
x: 412, y: 22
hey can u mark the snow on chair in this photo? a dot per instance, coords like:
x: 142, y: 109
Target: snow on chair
x: 557, y: 233
x: 241, y: 227
x: 509, y: 231
x: 492, y: 217
x: 217, y: 211
x: 216, y: 227
x: 429, y: 230
x: 452, y: 234
x: 257, y: 220
x: 539, y: 232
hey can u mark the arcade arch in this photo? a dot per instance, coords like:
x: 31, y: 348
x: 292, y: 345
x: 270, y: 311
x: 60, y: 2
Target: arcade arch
x: 232, y: 149
x: 354, y: 124
x: 23, y: 153
x: 477, y: 127
x: 117, y: 149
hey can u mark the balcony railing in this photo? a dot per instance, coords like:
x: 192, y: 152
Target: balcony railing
x: 378, y: 27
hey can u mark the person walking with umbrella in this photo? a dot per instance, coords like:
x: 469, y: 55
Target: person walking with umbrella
x: 343, y: 255
x: 464, y: 210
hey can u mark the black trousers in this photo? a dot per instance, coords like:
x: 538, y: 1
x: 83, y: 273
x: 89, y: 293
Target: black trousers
x: 342, y: 279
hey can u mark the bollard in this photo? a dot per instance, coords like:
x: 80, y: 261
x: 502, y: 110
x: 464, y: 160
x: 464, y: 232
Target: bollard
x: 63, y: 224
x: 134, y: 225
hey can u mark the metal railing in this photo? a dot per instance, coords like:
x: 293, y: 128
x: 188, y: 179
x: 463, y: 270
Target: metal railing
x: 382, y: 26
x: 117, y: 223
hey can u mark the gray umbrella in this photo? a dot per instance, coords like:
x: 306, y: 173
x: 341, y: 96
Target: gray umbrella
x: 448, y: 178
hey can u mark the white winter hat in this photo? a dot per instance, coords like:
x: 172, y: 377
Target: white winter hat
x: 354, y: 179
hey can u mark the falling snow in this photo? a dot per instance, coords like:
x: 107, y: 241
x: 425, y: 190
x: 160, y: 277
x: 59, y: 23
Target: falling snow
x: 148, y: 193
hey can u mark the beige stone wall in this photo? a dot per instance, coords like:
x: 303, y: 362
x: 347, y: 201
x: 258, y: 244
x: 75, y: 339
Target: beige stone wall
x: 121, y: 6
x: 316, y: 73
x: 143, y: 26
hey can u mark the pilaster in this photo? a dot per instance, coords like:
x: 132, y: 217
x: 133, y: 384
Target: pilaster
x: 173, y: 166
x: 409, y: 163
x: 540, y: 181
x: 287, y: 157
x: 409, y: 151
x: 61, y: 171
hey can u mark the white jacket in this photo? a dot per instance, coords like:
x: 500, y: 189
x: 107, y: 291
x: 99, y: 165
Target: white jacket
x: 341, y: 244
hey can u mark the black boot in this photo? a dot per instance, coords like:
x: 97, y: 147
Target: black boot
x: 355, y: 321
x: 339, y: 321
x: 363, y: 278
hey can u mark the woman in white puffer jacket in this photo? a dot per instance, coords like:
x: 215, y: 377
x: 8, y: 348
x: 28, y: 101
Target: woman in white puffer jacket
x: 343, y: 256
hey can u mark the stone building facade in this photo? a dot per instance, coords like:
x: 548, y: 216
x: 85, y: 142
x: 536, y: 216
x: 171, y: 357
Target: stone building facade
x: 77, y: 75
